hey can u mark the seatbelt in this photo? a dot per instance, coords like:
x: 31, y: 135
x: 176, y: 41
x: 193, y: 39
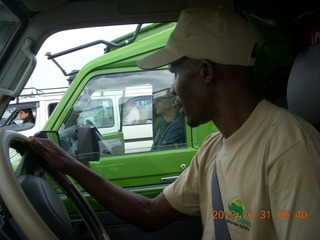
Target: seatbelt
x: 220, y: 225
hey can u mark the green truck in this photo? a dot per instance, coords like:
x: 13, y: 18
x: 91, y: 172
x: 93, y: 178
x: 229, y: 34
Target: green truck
x: 90, y: 118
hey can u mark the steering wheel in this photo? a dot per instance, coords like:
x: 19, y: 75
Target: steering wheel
x: 15, y: 124
x: 21, y: 191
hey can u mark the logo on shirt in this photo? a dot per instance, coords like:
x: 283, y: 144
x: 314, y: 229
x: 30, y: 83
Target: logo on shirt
x: 237, y: 214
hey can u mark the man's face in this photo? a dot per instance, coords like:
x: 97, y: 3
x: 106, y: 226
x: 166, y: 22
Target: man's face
x: 163, y: 104
x: 191, y: 92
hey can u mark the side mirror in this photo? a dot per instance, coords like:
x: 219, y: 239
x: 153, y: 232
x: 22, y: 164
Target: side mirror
x: 88, y: 144
x: 88, y: 148
x: 53, y: 135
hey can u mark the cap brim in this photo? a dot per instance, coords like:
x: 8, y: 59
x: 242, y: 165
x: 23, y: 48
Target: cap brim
x: 158, y: 59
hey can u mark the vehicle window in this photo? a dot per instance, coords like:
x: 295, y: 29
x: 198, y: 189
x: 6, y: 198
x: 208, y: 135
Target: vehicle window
x: 99, y: 112
x: 6, y: 115
x: 8, y: 25
x: 18, y: 119
x: 51, y: 107
x: 132, y: 112
x: 137, y: 110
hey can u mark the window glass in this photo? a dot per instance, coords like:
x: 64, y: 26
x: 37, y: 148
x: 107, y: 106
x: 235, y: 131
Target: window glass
x: 6, y: 115
x: 128, y: 112
x: 18, y: 119
x: 99, y: 111
x: 51, y: 107
x: 8, y: 24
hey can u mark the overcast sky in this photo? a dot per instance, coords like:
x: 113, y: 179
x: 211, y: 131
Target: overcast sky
x: 48, y: 75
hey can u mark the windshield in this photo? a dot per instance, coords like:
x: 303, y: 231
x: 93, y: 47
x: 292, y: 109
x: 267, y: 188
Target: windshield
x: 9, y: 112
x: 8, y: 25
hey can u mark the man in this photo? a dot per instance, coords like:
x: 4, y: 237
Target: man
x: 267, y: 159
x: 170, y: 125
x: 132, y: 113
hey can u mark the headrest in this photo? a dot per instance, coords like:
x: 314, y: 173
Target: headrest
x: 303, y: 91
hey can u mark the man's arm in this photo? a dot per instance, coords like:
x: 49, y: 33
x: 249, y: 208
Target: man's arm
x: 294, y: 188
x: 150, y: 214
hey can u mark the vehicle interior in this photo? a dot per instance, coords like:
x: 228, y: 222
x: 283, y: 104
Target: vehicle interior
x: 288, y: 76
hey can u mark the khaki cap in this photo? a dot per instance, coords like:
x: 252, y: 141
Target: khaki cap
x: 214, y: 34
x: 163, y: 94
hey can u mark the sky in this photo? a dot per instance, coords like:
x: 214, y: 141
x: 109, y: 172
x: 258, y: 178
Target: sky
x: 48, y: 75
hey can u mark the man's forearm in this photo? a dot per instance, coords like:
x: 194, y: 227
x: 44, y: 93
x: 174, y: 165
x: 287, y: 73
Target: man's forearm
x: 150, y: 214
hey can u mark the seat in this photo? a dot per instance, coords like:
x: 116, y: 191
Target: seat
x: 303, y: 91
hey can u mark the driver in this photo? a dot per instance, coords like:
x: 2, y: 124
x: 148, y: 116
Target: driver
x: 267, y: 159
x: 27, y: 117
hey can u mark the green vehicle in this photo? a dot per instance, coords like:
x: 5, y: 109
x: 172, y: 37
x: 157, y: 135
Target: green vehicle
x: 95, y: 108
x: 92, y: 123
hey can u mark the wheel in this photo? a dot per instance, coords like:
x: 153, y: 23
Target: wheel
x: 22, y: 190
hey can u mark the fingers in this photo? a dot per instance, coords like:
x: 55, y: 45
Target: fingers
x: 54, y: 155
x: 45, y: 147
x: 44, y: 144
x: 39, y: 145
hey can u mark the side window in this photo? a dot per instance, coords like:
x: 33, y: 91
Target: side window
x: 6, y: 115
x: 131, y: 112
x: 137, y: 105
x: 51, y: 107
x: 99, y: 112
x: 19, y: 119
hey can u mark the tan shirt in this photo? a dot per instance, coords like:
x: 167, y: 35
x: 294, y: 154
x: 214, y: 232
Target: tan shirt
x: 269, y: 177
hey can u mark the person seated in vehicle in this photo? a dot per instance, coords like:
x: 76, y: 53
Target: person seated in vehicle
x: 132, y: 115
x: 267, y: 159
x: 27, y: 117
x: 170, y: 124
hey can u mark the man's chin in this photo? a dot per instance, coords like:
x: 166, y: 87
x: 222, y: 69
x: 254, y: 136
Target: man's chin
x: 192, y: 123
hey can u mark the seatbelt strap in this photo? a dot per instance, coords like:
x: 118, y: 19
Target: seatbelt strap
x: 220, y: 225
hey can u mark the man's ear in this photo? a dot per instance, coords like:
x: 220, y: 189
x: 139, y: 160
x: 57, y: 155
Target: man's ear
x: 207, y: 71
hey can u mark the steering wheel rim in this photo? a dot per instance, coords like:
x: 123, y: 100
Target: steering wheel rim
x: 19, y: 205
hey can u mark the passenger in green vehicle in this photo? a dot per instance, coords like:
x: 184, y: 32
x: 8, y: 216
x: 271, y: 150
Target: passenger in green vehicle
x: 132, y: 115
x: 170, y: 124
x: 267, y: 159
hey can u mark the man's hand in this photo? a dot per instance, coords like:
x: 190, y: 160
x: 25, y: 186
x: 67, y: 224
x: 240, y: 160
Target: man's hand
x: 53, y: 154
x: 147, y: 213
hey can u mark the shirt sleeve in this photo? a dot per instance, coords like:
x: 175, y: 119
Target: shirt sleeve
x: 295, y: 192
x: 184, y: 193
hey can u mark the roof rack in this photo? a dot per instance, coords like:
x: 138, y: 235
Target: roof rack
x: 33, y: 92
x: 117, y: 43
x: 120, y: 42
